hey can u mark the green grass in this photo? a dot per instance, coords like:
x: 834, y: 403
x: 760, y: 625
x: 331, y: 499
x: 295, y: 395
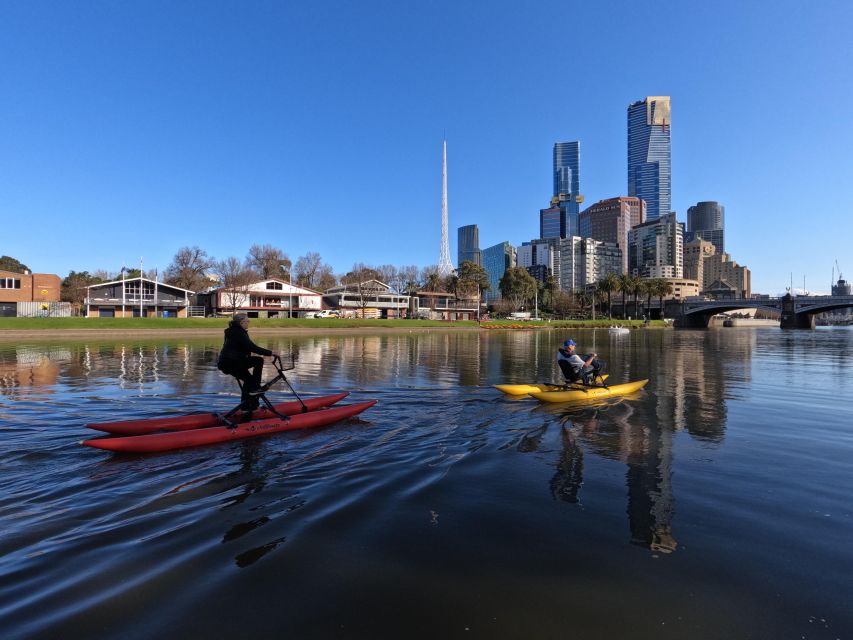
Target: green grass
x: 58, y: 324
x: 578, y: 324
x: 210, y: 323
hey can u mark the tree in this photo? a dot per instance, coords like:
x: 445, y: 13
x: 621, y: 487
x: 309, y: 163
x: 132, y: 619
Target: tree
x: 235, y: 278
x: 517, y: 286
x: 607, y: 285
x: 636, y: 290
x: 430, y: 278
x: 647, y: 288
x: 625, y: 282
x: 74, y: 287
x: 388, y: 275
x: 586, y: 299
x: 404, y: 278
x: 562, y: 304
x: 472, y: 280
x: 308, y: 269
x: 663, y: 289
x: 325, y: 278
x: 268, y: 262
x: 8, y: 263
x: 189, y: 268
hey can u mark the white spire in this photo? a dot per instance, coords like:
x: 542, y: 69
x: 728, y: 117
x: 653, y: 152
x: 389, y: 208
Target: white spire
x: 445, y: 266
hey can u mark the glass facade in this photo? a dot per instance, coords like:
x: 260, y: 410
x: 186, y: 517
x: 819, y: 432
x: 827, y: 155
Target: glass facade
x: 650, y: 154
x: 496, y: 260
x: 706, y: 220
x: 468, y: 245
x: 567, y: 170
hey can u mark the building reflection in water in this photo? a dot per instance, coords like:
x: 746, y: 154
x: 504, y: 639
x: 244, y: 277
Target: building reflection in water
x: 27, y: 368
x: 687, y: 392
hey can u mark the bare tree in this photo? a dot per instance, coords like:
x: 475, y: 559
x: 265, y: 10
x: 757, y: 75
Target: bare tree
x: 406, y: 278
x: 388, y: 273
x: 325, y: 279
x: 307, y: 269
x: 235, y: 278
x: 268, y: 262
x: 188, y: 269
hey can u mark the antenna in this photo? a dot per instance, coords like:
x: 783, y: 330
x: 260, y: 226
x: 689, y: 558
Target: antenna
x: 445, y: 266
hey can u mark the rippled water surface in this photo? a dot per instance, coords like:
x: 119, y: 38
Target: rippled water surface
x: 715, y: 503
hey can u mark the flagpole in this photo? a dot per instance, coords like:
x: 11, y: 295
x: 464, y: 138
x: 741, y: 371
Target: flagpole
x: 156, y: 274
x: 123, y: 272
x: 141, y: 288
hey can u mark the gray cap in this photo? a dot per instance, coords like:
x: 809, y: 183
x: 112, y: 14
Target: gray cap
x: 237, y: 318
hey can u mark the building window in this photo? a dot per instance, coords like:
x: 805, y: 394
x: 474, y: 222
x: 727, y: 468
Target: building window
x: 10, y: 283
x: 274, y: 285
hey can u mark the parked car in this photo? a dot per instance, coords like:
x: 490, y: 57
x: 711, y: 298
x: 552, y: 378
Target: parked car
x: 325, y: 313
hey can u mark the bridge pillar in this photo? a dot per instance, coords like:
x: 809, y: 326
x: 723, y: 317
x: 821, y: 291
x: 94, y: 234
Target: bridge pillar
x: 793, y: 320
x: 694, y: 320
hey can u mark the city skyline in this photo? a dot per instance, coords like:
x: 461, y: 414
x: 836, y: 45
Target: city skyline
x: 316, y: 128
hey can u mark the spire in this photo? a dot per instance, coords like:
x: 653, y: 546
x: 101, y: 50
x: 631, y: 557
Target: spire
x: 445, y: 266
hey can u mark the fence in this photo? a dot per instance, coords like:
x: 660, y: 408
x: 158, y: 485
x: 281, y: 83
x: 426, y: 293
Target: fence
x: 44, y: 309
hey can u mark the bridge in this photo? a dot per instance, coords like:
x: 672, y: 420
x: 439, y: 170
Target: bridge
x: 797, y: 312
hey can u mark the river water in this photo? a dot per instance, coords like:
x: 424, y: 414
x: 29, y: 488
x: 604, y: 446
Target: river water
x: 715, y: 503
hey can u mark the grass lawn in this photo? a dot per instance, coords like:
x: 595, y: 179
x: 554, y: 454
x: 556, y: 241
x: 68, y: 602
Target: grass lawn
x: 58, y: 324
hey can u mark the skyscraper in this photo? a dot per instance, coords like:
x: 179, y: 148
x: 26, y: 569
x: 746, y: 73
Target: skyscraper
x: 611, y: 220
x: 650, y: 154
x: 707, y: 220
x: 496, y: 260
x: 566, y: 197
x: 567, y: 170
x: 468, y: 245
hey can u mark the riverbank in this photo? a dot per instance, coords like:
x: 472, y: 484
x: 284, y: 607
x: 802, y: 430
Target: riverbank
x: 75, y: 328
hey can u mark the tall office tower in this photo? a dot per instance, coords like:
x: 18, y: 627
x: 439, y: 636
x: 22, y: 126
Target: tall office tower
x: 567, y: 169
x: 468, y: 245
x: 565, y: 203
x: 445, y: 266
x: 650, y: 154
x: 656, y: 248
x: 610, y: 221
x: 496, y: 260
x: 707, y: 220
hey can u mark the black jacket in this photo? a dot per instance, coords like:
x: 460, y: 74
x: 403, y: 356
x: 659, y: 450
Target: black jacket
x: 238, y: 347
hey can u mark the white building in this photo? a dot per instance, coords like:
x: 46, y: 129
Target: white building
x: 656, y: 248
x: 270, y: 298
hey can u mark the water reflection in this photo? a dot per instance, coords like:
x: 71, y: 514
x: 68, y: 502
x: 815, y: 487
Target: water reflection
x: 23, y: 367
x: 691, y: 376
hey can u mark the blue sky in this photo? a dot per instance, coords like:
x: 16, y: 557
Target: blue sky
x: 132, y: 129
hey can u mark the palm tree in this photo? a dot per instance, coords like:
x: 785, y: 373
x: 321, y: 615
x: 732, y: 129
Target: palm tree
x: 664, y: 288
x: 625, y: 280
x: 607, y: 285
x: 649, y: 287
x: 636, y: 290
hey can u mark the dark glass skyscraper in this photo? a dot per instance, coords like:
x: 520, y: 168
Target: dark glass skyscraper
x: 565, y: 204
x: 707, y: 220
x: 567, y: 168
x: 468, y: 245
x: 650, y: 154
